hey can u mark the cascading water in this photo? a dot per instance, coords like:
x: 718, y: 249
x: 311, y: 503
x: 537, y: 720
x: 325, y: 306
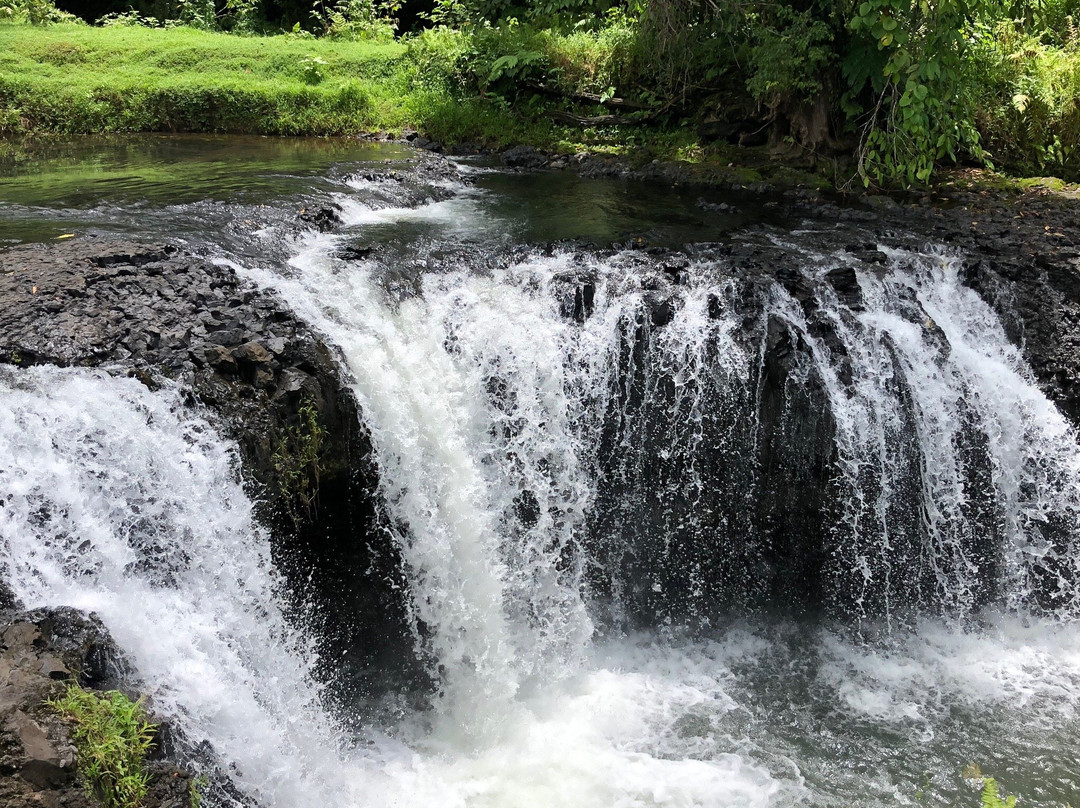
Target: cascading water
x: 118, y: 502
x: 570, y: 424
x: 591, y: 461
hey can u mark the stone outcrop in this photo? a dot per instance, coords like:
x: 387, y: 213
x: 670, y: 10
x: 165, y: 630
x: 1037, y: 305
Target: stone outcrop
x: 41, y: 653
x: 157, y: 313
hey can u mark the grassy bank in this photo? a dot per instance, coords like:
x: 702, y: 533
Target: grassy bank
x: 492, y: 85
x: 79, y: 79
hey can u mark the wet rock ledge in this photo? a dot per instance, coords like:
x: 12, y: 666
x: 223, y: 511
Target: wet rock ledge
x: 156, y: 312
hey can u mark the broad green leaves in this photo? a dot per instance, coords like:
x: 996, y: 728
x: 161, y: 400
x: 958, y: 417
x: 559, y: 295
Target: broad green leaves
x: 915, y: 70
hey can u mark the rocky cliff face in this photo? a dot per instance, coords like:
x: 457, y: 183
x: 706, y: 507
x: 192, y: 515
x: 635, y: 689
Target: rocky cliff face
x: 154, y: 312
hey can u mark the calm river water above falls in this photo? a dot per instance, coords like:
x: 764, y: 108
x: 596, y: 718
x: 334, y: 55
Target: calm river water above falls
x: 696, y: 525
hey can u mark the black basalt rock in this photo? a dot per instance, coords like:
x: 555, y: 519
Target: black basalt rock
x: 846, y: 283
x: 322, y: 219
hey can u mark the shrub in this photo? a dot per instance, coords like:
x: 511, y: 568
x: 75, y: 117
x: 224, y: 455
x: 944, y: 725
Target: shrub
x: 992, y: 799
x: 297, y: 461
x: 360, y: 19
x: 35, y: 12
x: 1028, y: 99
x: 907, y: 59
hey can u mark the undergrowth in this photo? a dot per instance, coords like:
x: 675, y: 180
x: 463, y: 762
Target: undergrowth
x: 1028, y: 101
x: 112, y: 737
x: 296, y: 461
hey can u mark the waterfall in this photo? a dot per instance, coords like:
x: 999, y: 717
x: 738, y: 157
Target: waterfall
x: 472, y: 423
x: 678, y: 530
x: 569, y: 434
x: 118, y: 501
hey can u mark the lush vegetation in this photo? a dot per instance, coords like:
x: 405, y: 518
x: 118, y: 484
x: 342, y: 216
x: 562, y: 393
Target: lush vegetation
x: 880, y: 90
x: 112, y: 738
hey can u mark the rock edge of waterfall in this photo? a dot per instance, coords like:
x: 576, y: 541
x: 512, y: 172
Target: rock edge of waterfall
x: 163, y: 315
x: 1022, y: 255
x: 42, y: 652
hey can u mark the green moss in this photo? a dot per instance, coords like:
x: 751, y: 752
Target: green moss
x: 112, y: 737
x: 1045, y: 183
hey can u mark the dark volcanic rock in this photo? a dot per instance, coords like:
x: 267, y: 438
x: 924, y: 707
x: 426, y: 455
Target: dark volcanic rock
x: 322, y: 219
x: 41, y: 653
x: 846, y: 283
x: 524, y: 157
x: 159, y: 313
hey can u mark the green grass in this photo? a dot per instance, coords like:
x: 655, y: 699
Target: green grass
x: 77, y: 79
x: 112, y: 738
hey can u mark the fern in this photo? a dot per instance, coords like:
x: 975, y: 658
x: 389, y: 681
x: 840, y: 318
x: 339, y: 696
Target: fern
x: 992, y: 799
